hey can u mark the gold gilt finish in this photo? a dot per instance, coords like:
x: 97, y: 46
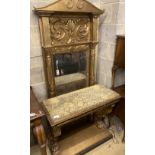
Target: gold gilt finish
x: 82, y: 6
x: 68, y: 26
x: 69, y: 30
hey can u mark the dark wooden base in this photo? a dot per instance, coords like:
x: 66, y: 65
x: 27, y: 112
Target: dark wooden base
x: 82, y: 140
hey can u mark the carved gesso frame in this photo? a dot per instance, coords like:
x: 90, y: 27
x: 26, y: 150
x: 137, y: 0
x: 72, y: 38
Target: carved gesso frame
x: 75, y: 21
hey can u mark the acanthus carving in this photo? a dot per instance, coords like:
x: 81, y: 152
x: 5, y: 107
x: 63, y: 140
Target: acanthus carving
x: 67, y: 30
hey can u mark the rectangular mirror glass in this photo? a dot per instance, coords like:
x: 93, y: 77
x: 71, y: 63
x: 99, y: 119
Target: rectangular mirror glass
x: 70, y: 71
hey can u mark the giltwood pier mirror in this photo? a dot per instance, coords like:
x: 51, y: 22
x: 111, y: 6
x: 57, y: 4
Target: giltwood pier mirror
x: 68, y: 30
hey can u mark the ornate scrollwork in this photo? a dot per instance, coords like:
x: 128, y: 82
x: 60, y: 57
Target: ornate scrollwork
x: 57, y: 29
x: 82, y: 30
x: 65, y: 30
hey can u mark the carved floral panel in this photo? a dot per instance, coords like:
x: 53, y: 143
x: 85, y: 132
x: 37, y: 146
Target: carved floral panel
x: 69, y: 30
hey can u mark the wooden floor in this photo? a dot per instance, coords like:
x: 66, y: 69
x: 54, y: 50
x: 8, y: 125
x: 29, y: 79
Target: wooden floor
x: 82, y: 140
x: 108, y: 148
x: 112, y: 147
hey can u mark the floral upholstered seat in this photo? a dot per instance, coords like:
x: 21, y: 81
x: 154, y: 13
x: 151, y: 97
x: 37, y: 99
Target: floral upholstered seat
x: 61, y: 108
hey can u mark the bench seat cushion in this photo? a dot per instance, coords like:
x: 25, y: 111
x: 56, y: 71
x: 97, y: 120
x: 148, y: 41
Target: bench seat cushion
x: 64, y: 107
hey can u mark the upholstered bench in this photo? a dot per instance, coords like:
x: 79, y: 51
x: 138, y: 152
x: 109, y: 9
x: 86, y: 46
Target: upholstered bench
x: 97, y: 100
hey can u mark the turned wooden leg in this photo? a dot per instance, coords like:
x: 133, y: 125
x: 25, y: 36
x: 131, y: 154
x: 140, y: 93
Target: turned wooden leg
x: 41, y: 138
x: 53, y: 141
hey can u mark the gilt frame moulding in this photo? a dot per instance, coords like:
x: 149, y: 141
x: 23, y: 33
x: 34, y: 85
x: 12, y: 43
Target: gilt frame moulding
x: 68, y: 26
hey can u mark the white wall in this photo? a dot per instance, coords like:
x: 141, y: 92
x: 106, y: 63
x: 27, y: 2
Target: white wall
x: 111, y: 24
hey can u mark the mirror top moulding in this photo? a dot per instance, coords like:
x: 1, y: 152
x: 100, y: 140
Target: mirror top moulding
x: 67, y: 6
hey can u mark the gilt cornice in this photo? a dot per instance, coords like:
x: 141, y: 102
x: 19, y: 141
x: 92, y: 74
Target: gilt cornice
x: 81, y: 6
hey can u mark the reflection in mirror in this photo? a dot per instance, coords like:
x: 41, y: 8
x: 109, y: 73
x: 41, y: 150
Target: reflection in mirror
x: 70, y: 71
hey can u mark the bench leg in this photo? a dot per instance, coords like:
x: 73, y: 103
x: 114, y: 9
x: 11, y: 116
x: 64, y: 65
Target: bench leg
x: 106, y: 121
x: 102, y: 119
x: 53, y: 141
x: 53, y: 145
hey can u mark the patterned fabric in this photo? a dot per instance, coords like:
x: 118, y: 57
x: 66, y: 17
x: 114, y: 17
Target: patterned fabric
x: 64, y: 107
